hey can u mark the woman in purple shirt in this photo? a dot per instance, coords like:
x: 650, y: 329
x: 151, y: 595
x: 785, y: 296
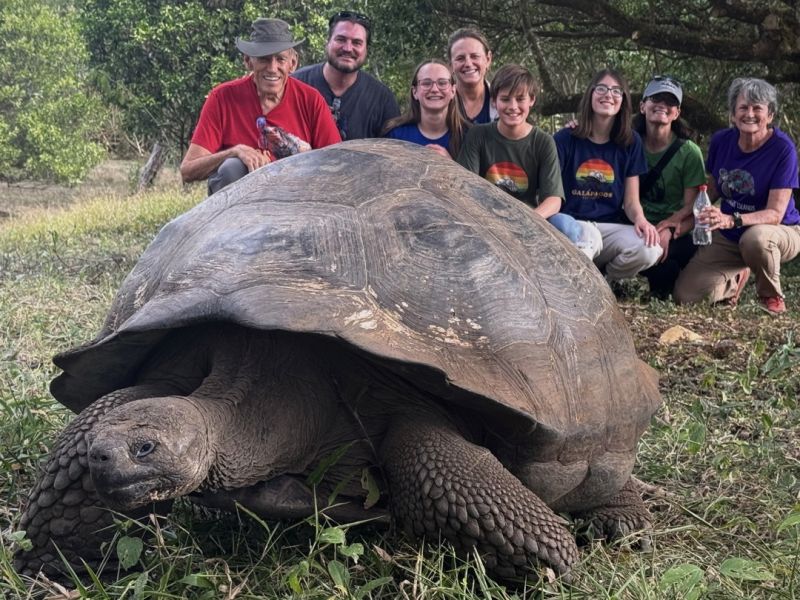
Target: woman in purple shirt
x: 753, y: 168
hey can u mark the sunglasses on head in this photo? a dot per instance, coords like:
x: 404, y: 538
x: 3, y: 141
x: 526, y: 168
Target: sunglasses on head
x: 347, y: 15
x: 668, y: 78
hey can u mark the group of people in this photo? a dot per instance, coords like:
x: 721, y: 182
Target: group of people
x: 619, y: 183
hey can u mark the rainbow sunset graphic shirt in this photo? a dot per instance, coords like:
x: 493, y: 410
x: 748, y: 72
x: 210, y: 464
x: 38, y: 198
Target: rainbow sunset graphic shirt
x: 527, y: 168
x: 508, y: 176
x: 594, y: 175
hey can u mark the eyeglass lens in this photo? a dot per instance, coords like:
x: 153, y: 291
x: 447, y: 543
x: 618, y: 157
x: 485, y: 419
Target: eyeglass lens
x: 427, y: 84
x: 602, y: 90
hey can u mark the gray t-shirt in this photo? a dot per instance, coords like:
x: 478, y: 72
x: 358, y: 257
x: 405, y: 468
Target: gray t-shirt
x: 527, y: 168
x: 363, y: 109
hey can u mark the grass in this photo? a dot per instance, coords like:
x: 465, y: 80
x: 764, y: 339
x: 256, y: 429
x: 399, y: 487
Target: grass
x: 723, y: 453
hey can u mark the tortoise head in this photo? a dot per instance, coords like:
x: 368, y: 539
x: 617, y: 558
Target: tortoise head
x: 149, y: 450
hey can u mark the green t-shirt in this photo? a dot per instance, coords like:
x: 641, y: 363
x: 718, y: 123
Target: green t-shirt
x: 526, y: 168
x: 684, y: 170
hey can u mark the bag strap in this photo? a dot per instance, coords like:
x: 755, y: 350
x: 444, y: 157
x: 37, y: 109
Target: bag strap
x: 654, y: 173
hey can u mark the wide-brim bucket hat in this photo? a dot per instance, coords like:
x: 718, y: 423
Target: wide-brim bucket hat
x: 268, y: 36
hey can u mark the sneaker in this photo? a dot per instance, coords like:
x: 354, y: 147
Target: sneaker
x: 774, y: 305
x: 744, y: 275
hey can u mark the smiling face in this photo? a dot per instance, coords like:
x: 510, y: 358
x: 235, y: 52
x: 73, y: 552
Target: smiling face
x: 470, y: 61
x: 607, y: 97
x: 433, y: 88
x: 513, y: 107
x: 660, y: 109
x: 271, y: 72
x: 750, y: 117
x: 346, y: 49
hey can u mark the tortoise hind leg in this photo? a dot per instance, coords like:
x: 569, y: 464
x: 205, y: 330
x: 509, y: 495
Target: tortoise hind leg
x: 63, y: 510
x: 622, y: 515
x: 441, y: 483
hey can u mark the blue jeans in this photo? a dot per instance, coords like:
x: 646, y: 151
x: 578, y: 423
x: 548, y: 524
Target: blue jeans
x: 566, y: 225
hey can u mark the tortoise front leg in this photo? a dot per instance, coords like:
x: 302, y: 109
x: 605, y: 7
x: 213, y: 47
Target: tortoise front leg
x: 63, y: 510
x: 441, y: 483
x: 622, y: 515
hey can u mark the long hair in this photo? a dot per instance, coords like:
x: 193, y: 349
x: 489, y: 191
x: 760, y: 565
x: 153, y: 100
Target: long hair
x: 456, y: 124
x: 679, y: 127
x: 621, y: 130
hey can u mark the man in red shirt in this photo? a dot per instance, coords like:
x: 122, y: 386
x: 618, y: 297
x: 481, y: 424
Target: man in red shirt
x: 227, y: 142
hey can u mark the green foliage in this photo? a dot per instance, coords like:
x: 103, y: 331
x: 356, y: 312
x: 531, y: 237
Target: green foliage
x: 48, y: 119
x: 157, y: 59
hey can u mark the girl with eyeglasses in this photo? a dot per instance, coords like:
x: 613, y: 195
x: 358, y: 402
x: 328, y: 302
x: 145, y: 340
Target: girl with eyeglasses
x: 601, y: 160
x: 432, y: 119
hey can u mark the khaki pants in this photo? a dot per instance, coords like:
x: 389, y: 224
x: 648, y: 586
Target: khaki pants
x: 712, y: 274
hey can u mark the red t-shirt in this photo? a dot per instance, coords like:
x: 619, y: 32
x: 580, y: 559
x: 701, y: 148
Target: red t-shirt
x: 230, y: 111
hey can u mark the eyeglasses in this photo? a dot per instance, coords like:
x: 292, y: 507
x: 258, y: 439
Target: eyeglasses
x: 347, y: 15
x: 336, y: 106
x: 601, y: 90
x: 442, y: 84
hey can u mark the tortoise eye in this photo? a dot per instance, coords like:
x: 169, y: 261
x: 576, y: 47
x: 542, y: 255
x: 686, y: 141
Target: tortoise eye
x: 144, y: 449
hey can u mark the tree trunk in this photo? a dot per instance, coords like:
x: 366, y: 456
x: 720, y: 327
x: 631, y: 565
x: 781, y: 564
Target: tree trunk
x: 150, y: 171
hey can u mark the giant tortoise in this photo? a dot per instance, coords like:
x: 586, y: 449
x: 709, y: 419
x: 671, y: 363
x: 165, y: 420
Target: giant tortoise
x: 371, y: 301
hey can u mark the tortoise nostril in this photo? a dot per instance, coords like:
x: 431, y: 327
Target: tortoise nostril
x: 99, y: 455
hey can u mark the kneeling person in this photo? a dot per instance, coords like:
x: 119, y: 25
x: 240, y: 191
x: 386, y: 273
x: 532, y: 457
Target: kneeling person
x: 518, y: 157
x: 227, y: 142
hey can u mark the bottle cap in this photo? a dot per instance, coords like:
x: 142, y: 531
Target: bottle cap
x: 703, y: 187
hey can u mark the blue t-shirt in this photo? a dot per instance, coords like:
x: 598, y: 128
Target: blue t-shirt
x: 488, y: 112
x: 410, y: 133
x: 744, y: 179
x: 594, y: 175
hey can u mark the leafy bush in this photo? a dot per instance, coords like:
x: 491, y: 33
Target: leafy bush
x: 47, y: 117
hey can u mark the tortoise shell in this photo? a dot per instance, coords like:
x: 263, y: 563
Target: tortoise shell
x: 409, y: 259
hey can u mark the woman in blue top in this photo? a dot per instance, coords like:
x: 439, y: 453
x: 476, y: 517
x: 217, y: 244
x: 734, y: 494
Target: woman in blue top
x: 433, y: 118
x: 601, y: 160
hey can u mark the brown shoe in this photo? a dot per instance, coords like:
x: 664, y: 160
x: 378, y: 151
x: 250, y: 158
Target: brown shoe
x: 744, y: 275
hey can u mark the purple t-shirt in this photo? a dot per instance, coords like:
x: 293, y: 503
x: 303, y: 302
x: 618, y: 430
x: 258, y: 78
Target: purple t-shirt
x: 744, y: 179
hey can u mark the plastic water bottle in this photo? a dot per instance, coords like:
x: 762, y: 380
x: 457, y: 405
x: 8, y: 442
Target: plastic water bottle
x: 701, y: 235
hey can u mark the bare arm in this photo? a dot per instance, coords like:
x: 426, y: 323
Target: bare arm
x: 548, y: 207
x: 198, y: 163
x: 682, y: 220
x: 633, y: 210
x: 777, y: 201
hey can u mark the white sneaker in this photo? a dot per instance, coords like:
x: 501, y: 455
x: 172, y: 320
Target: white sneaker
x: 590, y: 241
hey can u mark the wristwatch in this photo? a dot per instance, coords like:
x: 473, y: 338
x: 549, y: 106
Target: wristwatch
x: 737, y: 220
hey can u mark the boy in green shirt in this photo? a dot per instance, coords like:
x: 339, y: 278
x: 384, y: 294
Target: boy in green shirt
x: 521, y: 159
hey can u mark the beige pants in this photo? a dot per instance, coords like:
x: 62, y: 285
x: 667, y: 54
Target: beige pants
x: 712, y: 273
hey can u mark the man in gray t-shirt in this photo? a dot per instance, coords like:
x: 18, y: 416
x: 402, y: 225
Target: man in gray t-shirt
x: 360, y: 104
